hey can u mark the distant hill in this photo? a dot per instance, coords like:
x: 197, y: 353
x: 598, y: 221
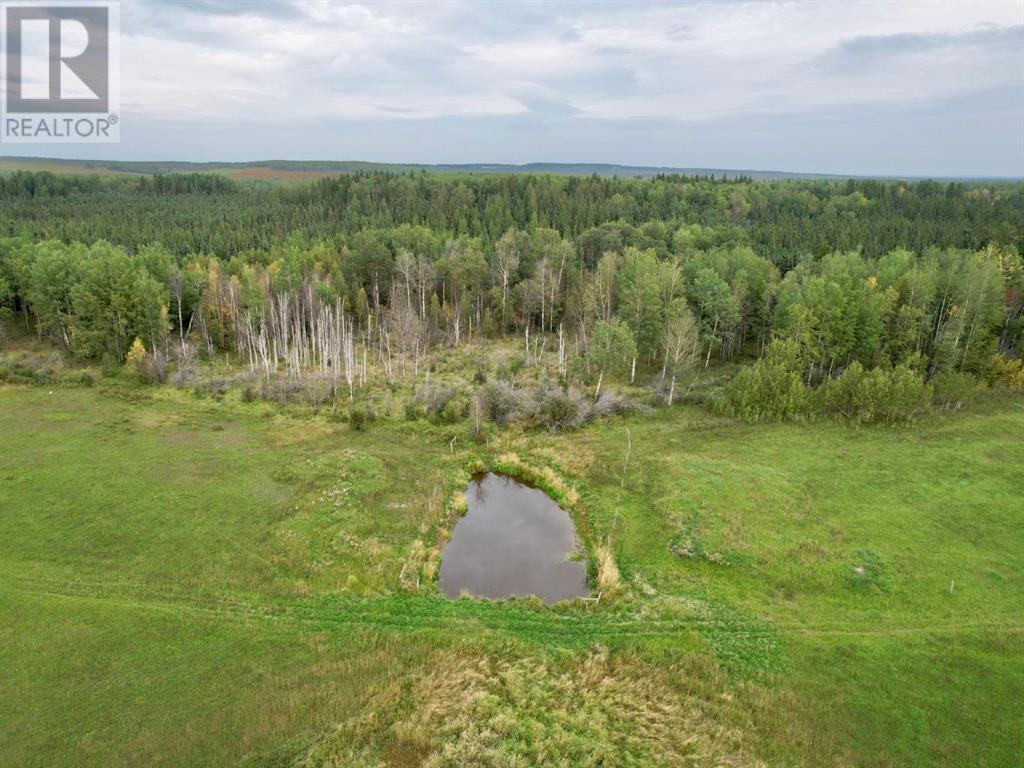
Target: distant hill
x: 303, y: 169
x: 285, y: 169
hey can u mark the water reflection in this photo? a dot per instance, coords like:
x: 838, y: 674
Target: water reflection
x: 513, y: 541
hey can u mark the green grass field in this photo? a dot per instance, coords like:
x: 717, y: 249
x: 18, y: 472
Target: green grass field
x: 186, y: 582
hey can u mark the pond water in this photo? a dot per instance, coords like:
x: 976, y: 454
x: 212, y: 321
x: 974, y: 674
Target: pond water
x: 513, y: 541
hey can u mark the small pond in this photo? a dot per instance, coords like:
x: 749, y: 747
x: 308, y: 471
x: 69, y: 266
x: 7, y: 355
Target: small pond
x: 513, y: 541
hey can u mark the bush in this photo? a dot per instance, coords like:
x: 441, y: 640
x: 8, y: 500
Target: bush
x: 610, y: 403
x: 508, y: 369
x: 49, y: 371
x: 556, y: 409
x: 844, y: 395
x: 280, y: 390
x: 360, y: 416
x: 136, y: 356
x: 480, y: 370
x: 454, y: 410
x: 771, y: 388
x: 881, y: 394
x: 953, y: 389
x: 1006, y: 373
x: 336, y: 415
x: 152, y: 368
x: 439, y: 403
x: 412, y: 410
x: 13, y: 373
x: 111, y: 366
x: 499, y: 402
x: 867, y: 572
x: 78, y: 378
x: 907, y: 395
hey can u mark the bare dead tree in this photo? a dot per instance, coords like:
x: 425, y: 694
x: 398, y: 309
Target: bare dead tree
x: 506, y: 263
x: 561, y: 353
x: 425, y: 276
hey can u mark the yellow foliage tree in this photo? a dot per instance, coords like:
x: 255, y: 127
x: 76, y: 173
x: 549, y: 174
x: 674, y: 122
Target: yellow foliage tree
x: 136, y: 355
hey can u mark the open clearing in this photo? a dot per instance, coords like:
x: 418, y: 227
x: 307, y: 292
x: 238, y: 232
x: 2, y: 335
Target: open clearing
x: 186, y: 582
x: 262, y: 172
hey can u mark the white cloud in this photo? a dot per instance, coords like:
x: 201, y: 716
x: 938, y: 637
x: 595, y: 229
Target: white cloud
x: 686, y: 62
x: 840, y: 86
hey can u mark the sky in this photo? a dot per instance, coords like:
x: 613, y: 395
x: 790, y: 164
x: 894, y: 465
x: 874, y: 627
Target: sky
x: 872, y: 88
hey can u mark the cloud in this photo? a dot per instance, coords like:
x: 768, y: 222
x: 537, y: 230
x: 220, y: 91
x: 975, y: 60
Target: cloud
x: 684, y: 62
x: 973, y: 59
x: 878, y: 48
x: 548, y: 69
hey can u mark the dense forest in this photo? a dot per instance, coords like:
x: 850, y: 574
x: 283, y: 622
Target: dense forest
x: 840, y: 290
x: 780, y: 220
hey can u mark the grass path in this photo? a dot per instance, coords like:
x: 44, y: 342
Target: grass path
x: 571, y: 627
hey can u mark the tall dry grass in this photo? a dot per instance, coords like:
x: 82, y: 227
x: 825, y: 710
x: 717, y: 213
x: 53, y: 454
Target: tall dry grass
x: 469, y: 709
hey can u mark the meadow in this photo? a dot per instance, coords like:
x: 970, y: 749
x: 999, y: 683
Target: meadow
x: 189, y: 580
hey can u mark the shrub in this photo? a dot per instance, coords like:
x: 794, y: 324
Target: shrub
x: 842, y: 395
x: 152, y: 368
x: 434, y: 400
x: 360, y: 416
x: 508, y: 369
x: 1003, y: 372
x: 454, y: 410
x: 499, y: 402
x: 771, y: 388
x: 184, y: 375
x: 111, y: 366
x: 13, y: 373
x: 952, y: 389
x: 480, y: 370
x: 136, y: 355
x: 412, y: 410
x: 881, y: 394
x: 660, y: 388
x: 907, y: 395
x: 610, y: 403
x: 556, y: 409
x: 867, y: 571
x: 78, y: 378
x: 280, y: 390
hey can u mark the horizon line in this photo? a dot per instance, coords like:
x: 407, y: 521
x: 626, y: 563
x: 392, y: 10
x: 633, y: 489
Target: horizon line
x: 499, y: 166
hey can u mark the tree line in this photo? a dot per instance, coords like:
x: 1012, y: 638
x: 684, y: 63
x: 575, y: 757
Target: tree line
x: 654, y: 300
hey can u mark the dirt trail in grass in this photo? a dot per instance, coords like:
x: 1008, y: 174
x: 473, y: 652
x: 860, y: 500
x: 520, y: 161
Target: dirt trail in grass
x: 396, y: 611
x: 411, y: 613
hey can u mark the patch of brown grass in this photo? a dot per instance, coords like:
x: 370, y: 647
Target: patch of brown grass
x: 602, y: 710
x: 262, y: 172
x: 608, y: 579
x: 575, y: 462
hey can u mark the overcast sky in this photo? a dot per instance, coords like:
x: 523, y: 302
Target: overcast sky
x: 913, y: 88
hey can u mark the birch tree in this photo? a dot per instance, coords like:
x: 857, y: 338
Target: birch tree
x: 680, y: 343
